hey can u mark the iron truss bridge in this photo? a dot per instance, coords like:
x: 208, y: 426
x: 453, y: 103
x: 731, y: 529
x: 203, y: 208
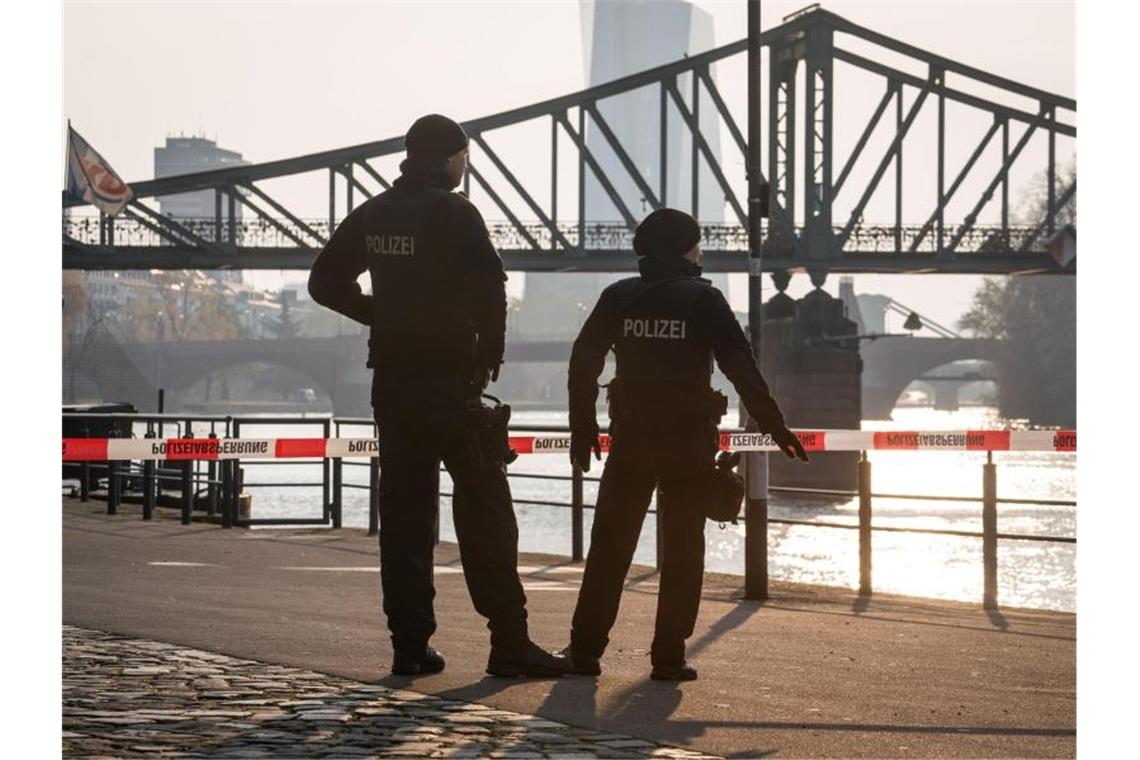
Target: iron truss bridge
x: 817, y: 196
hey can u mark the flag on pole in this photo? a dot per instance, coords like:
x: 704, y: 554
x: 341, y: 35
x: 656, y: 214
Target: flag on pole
x: 91, y: 178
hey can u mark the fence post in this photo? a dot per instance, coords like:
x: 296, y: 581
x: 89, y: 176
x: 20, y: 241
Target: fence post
x: 756, y: 526
x: 373, y: 496
x: 148, y: 479
x: 337, y: 490
x: 864, y: 525
x: 113, y: 485
x: 187, y: 484
x: 85, y: 472
x: 989, y: 532
x: 211, y: 487
x: 575, y: 513
x: 326, y: 497
x: 227, y: 476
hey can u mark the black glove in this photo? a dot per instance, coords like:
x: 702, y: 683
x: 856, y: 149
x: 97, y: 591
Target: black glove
x: 580, y: 446
x: 789, y: 444
x: 495, y: 372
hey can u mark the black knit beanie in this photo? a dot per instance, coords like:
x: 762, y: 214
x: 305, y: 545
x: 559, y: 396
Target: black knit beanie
x: 435, y: 136
x: 666, y: 233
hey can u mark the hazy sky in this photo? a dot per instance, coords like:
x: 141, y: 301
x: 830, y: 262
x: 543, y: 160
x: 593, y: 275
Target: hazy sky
x: 274, y: 80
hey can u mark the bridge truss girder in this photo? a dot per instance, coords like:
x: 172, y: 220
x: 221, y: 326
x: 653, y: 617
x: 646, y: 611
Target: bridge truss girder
x: 799, y: 235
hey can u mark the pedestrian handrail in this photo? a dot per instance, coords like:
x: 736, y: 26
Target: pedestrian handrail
x: 224, y: 480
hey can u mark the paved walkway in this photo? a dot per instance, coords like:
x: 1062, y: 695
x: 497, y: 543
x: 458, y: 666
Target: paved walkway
x: 132, y: 697
x: 813, y: 672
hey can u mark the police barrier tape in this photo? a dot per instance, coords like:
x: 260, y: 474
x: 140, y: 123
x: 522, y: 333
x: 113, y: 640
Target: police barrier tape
x: 108, y: 449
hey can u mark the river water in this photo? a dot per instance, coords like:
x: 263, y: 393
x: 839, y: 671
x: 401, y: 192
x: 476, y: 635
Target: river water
x: 1031, y: 573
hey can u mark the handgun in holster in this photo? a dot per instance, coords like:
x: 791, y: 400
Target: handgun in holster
x: 490, y: 424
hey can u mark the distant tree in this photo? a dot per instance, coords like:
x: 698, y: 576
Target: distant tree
x: 181, y: 305
x: 285, y: 325
x: 1036, y: 316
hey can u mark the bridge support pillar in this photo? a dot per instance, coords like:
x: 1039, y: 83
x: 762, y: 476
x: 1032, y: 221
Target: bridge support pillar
x: 816, y: 377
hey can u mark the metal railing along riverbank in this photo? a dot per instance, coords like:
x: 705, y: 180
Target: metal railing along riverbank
x: 208, y: 472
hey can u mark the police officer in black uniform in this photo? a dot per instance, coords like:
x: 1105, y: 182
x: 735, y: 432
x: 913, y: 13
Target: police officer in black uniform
x: 437, y: 314
x: 665, y: 327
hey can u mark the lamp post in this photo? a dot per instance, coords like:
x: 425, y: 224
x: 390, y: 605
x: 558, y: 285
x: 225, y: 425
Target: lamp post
x: 756, y: 505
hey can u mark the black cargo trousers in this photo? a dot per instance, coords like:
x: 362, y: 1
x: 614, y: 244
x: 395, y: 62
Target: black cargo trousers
x: 641, y: 458
x: 422, y: 423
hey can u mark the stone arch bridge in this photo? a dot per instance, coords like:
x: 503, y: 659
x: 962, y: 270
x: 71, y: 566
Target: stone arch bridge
x: 335, y: 365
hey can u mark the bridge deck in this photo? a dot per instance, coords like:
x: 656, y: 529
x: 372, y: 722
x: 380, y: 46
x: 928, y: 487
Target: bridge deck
x: 813, y: 672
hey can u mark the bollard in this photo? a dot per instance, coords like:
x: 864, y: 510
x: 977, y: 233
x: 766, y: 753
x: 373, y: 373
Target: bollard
x: 148, y: 480
x: 337, y: 491
x: 864, y: 525
x: 374, y: 496
x: 575, y: 513
x: 85, y: 473
x: 660, y: 533
x: 756, y: 527
x: 211, y: 487
x: 989, y: 532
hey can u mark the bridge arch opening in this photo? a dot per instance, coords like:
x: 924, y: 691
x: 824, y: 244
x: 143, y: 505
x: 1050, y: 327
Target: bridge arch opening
x: 953, y: 385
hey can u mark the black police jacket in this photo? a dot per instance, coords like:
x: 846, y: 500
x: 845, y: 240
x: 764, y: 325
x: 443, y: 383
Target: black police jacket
x: 438, y: 303
x: 665, y: 328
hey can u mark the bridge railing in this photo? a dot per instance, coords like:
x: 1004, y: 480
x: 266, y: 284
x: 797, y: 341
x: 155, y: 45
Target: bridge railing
x: 257, y: 233
x: 224, y: 478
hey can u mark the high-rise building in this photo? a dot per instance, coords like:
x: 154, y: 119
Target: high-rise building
x: 623, y: 37
x: 186, y: 155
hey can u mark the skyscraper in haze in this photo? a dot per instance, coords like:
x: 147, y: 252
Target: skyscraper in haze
x: 622, y: 37
x: 186, y: 155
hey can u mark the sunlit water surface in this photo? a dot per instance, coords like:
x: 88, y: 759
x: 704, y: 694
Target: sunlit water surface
x: 1030, y: 573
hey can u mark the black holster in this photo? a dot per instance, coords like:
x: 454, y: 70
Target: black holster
x: 490, y: 425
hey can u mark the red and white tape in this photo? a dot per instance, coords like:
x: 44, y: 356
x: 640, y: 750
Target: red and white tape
x: 106, y: 449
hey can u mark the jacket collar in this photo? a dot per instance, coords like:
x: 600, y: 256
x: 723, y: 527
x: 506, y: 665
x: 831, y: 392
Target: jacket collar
x: 417, y: 172
x: 654, y: 268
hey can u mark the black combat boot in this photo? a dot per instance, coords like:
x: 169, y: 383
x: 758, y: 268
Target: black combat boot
x: 417, y: 663
x: 680, y: 672
x: 582, y: 664
x: 530, y: 660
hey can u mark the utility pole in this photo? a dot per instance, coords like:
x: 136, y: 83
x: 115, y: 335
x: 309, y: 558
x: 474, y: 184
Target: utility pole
x: 756, y: 504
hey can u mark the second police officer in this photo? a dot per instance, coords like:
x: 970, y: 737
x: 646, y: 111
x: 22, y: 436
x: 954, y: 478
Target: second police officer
x: 437, y: 314
x: 665, y: 328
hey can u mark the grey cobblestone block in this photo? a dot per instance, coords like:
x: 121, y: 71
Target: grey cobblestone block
x: 126, y: 697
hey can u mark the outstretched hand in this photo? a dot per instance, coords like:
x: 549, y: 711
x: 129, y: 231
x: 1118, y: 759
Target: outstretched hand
x: 789, y: 444
x: 580, y: 447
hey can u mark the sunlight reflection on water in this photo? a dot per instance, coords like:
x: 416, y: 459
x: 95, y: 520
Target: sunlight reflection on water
x: 1030, y: 574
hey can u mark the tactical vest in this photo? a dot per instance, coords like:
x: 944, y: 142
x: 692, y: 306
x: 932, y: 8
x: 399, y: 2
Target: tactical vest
x: 419, y: 325
x: 664, y: 363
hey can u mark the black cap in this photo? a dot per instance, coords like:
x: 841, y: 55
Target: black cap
x: 666, y: 233
x: 435, y: 136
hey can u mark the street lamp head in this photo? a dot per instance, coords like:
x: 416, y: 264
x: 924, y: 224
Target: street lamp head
x: 913, y: 322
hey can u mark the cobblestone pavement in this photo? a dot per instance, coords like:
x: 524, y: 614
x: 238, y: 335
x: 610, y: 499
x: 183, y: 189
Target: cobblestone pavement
x: 125, y: 697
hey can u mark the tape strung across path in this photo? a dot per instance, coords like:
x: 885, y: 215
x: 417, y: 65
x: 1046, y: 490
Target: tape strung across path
x: 104, y: 449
